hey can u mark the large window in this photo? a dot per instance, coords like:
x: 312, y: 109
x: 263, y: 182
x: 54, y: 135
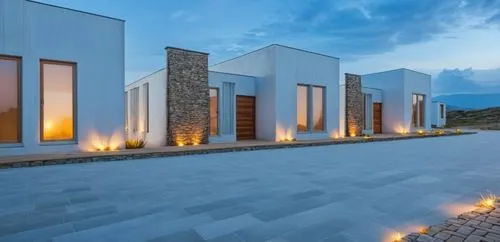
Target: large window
x: 10, y: 100
x: 441, y: 110
x: 145, y: 91
x: 302, y: 103
x: 126, y: 111
x: 214, y: 111
x: 368, y: 111
x: 418, y: 111
x: 58, y: 101
x: 134, y: 109
x: 310, y: 108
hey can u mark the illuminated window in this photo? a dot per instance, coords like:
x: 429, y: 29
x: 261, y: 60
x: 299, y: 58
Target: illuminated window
x: 126, y: 111
x: 214, y: 111
x: 302, y: 108
x: 418, y: 111
x: 58, y: 101
x: 145, y: 90
x: 318, y: 108
x: 310, y: 108
x: 10, y: 100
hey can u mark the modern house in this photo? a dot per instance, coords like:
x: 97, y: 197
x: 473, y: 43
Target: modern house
x: 273, y: 93
x: 395, y: 101
x: 61, y: 78
x: 438, y: 114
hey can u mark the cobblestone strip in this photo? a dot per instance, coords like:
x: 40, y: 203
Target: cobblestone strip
x: 480, y: 225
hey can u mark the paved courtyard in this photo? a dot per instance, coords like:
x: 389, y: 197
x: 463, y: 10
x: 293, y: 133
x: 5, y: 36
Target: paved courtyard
x: 357, y: 192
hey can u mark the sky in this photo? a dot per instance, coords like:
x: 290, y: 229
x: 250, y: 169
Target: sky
x: 457, y: 41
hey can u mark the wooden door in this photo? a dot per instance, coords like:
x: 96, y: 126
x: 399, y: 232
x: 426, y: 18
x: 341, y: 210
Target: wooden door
x: 377, y: 118
x: 245, y: 117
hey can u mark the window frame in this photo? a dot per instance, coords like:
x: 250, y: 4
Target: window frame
x: 418, y: 124
x: 218, y: 111
x: 74, y: 66
x: 126, y: 111
x: 18, y: 60
x: 441, y: 110
x: 145, y: 93
x: 310, y: 108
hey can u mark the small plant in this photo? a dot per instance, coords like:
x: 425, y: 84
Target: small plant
x: 135, y: 143
x: 458, y: 131
x: 421, y: 132
x: 439, y: 131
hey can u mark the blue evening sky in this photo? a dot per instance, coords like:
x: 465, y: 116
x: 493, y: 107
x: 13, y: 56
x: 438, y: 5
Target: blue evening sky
x: 457, y: 41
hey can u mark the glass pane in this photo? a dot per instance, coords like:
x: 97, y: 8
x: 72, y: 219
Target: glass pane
x: 421, y: 110
x: 442, y: 110
x: 126, y: 111
x: 318, y: 118
x: 414, y: 111
x: 10, y: 124
x: 302, y: 109
x: 214, y: 112
x: 145, y: 88
x: 57, y: 86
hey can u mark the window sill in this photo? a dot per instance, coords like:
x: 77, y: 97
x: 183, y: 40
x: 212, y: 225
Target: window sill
x: 49, y: 143
x: 12, y: 145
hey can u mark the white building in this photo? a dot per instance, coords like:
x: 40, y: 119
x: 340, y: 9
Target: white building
x: 438, y: 114
x: 61, y: 78
x: 406, y: 99
x: 273, y: 93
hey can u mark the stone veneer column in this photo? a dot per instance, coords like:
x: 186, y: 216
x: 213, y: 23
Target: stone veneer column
x: 353, y: 105
x: 188, y: 97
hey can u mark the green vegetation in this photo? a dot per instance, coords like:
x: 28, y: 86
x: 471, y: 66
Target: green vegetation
x: 135, y: 143
x: 486, y: 119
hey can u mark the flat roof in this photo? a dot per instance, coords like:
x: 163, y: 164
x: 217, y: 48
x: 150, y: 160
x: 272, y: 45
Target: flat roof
x: 399, y: 69
x: 144, y: 77
x: 234, y: 74
x: 75, y: 10
x: 284, y: 46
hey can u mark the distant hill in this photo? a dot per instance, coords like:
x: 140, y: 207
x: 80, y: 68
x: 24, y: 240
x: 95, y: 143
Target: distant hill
x: 469, y: 101
x: 488, y: 118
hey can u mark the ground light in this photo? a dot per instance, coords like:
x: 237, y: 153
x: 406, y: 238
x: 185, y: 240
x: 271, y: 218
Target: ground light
x: 487, y: 201
x: 397, y: 237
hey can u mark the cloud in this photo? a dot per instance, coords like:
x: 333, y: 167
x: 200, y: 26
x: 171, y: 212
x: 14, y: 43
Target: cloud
x: 467, y: 81
x: 185, y: 16
x: 356, y: 28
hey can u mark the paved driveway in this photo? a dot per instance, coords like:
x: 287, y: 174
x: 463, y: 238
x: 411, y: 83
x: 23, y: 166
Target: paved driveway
x: 355, y: 192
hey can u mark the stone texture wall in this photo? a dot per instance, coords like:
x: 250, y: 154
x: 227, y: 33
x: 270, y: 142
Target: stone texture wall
x: 188, y: 98
x: 354, y: 105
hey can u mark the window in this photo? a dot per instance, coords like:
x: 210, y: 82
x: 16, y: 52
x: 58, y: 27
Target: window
x: 441, y: 110
x: 418, y: 111
x: 10, y: 100
x: 58, y: 101
x: 368, y: 113
x: 318, y: 117
x: 310, y: 108
x: 214, y: 111
x: 302, y: 103
x: 126, y: 111
x: 145, y: 90
x: 134, y: 109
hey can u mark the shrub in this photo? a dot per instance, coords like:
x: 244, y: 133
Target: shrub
x: 439, y: 131
x: 135, y: 143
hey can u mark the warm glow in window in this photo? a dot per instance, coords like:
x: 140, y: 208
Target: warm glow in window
x: 214, y: 111
x: 10, y: 122
x: 318, y: 111
x: 418, y: 111
x: 57, y: 101
x: 302, y: 103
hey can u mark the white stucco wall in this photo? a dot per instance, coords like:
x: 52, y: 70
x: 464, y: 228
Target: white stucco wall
x: 37, y: 31
x: 397, y: 87
x: 157, y: 135
x: 342, y: 117
x: 243, y: 85
x: 261, y: 64
x: 392, y: 85
x: 278, y: 69
x: 436, y: 115
x: 302, y: 67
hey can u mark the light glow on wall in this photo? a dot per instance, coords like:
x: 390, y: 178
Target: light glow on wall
x: 283, y: 134
x: 99, y: 142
